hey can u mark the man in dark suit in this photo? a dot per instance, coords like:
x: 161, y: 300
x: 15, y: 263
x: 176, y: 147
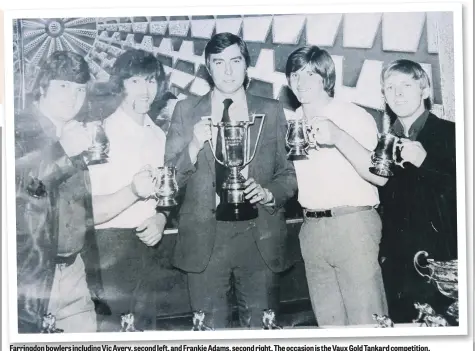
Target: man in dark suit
x: 214, y: 251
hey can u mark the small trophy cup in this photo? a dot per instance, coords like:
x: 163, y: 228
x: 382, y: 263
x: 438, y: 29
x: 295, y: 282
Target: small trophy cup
x: 297, y: 139
x: 236, y: 156
x: 97, y: 153
x: 386, y: 154
x: 127, y: 323
x: 199, y: 321
x: 167, y: 187
x: 383, y: 321
x: 428, y: 317
x: 268, y: 320
x: 48, y: 325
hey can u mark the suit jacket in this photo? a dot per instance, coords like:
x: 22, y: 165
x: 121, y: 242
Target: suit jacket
x: 419, y: 204
x: 270, y: 168
x: 40, y: 157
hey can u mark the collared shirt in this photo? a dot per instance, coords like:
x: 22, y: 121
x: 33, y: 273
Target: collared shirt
x: 131, y: 147
x: 398, y: 128
x: 327, y: 179
x: 238, y: 111
x: 74, y: 202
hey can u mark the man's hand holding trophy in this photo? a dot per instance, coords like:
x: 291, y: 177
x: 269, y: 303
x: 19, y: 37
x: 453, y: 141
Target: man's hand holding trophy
x: 388, y: 152
x: 158, y: 183
x: 305, y: 133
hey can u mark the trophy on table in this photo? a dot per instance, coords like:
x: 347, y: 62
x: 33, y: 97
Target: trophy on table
x: 199, y: 321
x: 297, y: 139
x: 269, y: 320
x: 387, y: 152
x: 236, y: 155
x: 48, y: 324
x: 127, y: 323
x: 444, y: 275
x: 167, y: 187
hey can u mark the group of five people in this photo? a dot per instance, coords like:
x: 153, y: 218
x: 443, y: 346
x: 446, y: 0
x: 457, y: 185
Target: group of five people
x: 355, y: 263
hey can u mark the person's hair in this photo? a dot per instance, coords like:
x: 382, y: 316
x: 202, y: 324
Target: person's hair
x: 412, y: 69
x: 61, y: 65
x: 134, y: 62
x: 221, y: 41
x: 318, y: 60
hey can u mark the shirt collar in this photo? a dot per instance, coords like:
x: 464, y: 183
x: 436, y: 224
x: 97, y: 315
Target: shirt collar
x: 238, y: 97
x: 128, y: 122
x: 398, y: 128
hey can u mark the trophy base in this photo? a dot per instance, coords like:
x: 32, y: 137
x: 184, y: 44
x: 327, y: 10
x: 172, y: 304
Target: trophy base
x: 166, y: 202
x: 381, y: 171
x: 236, y: 212
x: 96, y: 157
x: 298, y: 153
x: 99, y: 161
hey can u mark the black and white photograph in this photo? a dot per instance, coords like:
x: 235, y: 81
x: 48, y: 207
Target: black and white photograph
x: 273, y: 173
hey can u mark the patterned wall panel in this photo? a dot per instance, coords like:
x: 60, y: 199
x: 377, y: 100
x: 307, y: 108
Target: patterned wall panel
x: 359, y: 43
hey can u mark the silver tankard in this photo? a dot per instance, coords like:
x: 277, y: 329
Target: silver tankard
x: 167, y: 187
x: 297, y: 139
x: 236, y: 151
x: 98, y: 151
x: 386, y: 154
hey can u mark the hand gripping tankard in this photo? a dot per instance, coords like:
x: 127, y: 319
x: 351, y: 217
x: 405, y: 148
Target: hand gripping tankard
x: 166, y: 187
x: 386, y: 154
x: 236, y: 154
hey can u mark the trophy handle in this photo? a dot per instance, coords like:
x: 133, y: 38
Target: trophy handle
x: 253, y: 118
x: 210, y: 140
x: 398, y: 147
x: 308, y: 132
x: 417, y: 265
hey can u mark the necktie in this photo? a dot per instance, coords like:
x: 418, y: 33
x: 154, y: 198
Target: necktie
x: 221, y: 171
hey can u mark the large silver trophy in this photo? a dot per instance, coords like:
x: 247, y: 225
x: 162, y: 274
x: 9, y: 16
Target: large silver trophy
x: 444, y: 275
x: 236, y: 154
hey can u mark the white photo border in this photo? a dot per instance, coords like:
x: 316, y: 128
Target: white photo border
x: 235, y: 334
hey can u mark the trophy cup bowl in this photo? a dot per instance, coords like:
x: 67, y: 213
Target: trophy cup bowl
x: 167, y: 187
x: 98, y: 152
x: 444, y: 275
x: 236, y: 155
x: 385, y: 155
x: 296, y: 139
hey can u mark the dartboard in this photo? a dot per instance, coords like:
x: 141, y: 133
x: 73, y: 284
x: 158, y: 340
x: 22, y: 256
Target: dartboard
x: 35, y: 39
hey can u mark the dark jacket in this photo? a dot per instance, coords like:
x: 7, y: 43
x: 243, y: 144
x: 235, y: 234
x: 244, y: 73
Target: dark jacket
x: 270, y: 168
x: 419, y: 204
x: 43, y: 170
